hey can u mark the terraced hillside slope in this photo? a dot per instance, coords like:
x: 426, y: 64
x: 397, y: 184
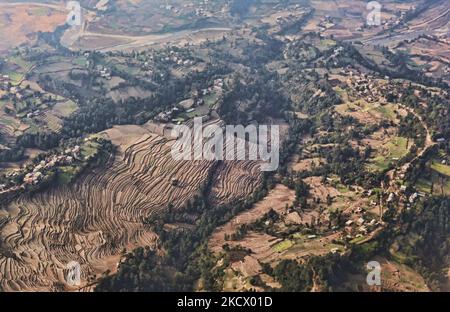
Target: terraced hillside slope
x: 95, y: 219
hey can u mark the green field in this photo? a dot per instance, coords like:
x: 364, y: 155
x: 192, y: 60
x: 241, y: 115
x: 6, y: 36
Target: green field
x: 9, y: 121
x: 396, y: 148
x: 357, y: 240
x: 66, y: 174
x: 24, y: 65
x: 374, y: 109
x: 441, y: 168
x: 282, y: 246
x: 3, y: 103
x: 15, y: 77
x: 128, y: 69
x: 89, y: 149
x: 80, y: 61
x: 211, y: 99
x: 40, y: 11
x: 387, y: 111
x: 436, y: 179
x: 65, y: 109
x: 326, y: 44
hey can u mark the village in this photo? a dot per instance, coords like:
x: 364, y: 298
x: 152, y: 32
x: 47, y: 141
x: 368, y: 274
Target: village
x: 196, y: 106
x: 58, y: 164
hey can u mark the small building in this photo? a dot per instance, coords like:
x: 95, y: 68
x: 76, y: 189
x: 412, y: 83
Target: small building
x: 391, y: 197
x: 413, y: 198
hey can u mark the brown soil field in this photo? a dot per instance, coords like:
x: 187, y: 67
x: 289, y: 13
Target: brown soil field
x: 399, y: 277
x: 395, y: 277
x: 94, y: 219
x: 276, y: 200
x: 318, y: 247
x: 23, y: 21
x: 380, y: 137
x: 306, y: 164
x: 319, y: 190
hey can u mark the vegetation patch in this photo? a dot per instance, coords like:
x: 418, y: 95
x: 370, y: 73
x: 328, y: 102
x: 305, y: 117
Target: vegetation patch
x: 282, y: 246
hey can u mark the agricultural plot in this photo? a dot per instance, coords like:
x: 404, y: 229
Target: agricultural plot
x: 23, y: 21
x: 64, y: 109
x: 306, y: 164
x: 435, y: 179
x: 25, y: 106
x: 370, y: 112
x: 395, y: 277
x: 157, y: 63
x: 388, y: 153
x: 274, y: 246
x: 276, y: 199
x: 102, y: 212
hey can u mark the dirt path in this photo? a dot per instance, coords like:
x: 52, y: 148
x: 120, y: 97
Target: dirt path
x: 428, y: 144
x: 142, y: 41
x: 428, y: 140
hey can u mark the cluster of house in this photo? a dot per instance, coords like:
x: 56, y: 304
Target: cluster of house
x: 367, y: 87
x: 147, y: 66
x: 395, y: 20
x: 38, y: 172
x: 359, y: 226
x: 336, y: 52
x: 189, y: 105
x: 104, y: 72
x: 167, y: 115
x: 199, y: 9
x: 217, y: 87
x: 408, y: 199
x: 387, y: 23
x: 326, y: 23
x: 4, y: 82
x: 34, y: 113
x: 12, y: 91
x: 175, y: 58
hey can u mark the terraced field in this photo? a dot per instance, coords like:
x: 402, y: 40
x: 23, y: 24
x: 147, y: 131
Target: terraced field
x: 235, y: 179
x: 93, y: 220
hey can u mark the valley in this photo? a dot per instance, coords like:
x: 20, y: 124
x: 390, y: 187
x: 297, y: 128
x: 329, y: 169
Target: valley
x: 87, y: 119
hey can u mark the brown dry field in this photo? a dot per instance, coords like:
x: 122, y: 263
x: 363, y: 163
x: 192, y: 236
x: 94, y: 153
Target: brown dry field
x: 399, y: 277
x: 395, y: 277
x: 439, y: 50
x: 24, y: 21
x: 102, y: 213
x: 319, y: 190
x: 276, y: 200
x: 365, y: 113
x: 350, y: 14
x: 379, y: 138
x: 433, y: 54
x: 306, y: 164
